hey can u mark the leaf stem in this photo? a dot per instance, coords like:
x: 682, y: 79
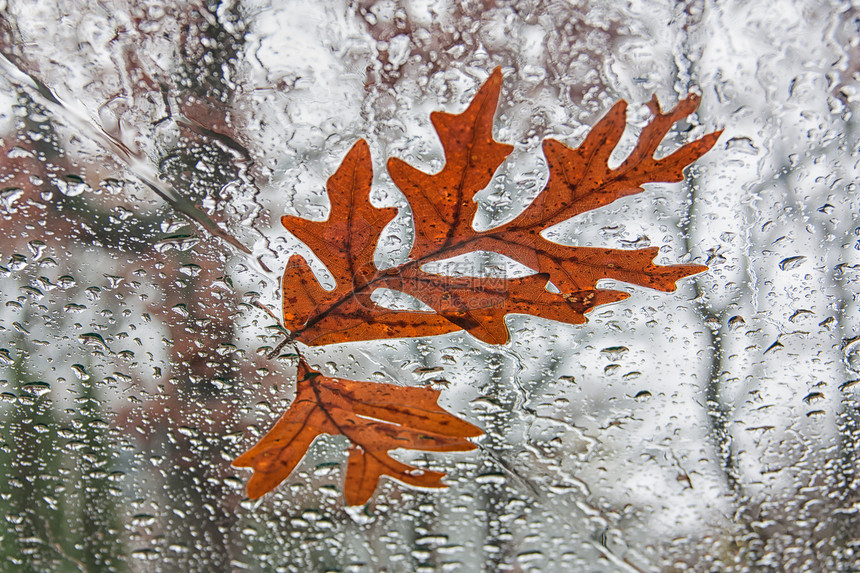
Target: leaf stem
x: 288, y: 339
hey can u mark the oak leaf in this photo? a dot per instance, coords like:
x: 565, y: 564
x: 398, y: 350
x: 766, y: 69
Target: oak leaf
x: 375, y: 417
x: 443, y: 207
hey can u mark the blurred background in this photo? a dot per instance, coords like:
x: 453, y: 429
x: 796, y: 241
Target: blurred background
x: 148, y: 149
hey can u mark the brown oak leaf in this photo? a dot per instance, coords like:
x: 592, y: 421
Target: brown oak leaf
x: 375, y: 417
x: 444, y: 206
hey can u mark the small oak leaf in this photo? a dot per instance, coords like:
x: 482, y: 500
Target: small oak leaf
x: 375, y: 417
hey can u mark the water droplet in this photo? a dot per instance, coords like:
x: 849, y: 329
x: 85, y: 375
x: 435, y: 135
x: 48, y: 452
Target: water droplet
x: 491, y: 478
x: 93, y: 293
x: 642, y: 395
x: 176, y: 242
x: 72, y: 185
x: 143, y: 520
x: 530, y: 556
x: 741, y: 144
x: 791, y: 262
x: 145, y: 554
x: 848, y: 385
x: 37, y: 248
x: 113, y: 280
x: 36, y: 388
x: 17, y: 262
x: 80, y: 372
x: 191, y: 270
x: 615, y: 352
x: 122, y: 213
x: 94, y: 340
x: 8, y: 197
x: 111, y: 185
x: 66, y: 281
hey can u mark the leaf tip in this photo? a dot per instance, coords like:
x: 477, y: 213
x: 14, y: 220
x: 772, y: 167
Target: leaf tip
x: 493, y: 86
x: 697, y: 269
x: 654, y: 105
x: 620, y: 108
x: 257, y: 489
x: 707, y: 141
x: 359, y: 151
x: 472, y: 431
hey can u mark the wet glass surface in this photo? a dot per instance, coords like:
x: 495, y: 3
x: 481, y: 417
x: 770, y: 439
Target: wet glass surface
x: 149, y: 149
